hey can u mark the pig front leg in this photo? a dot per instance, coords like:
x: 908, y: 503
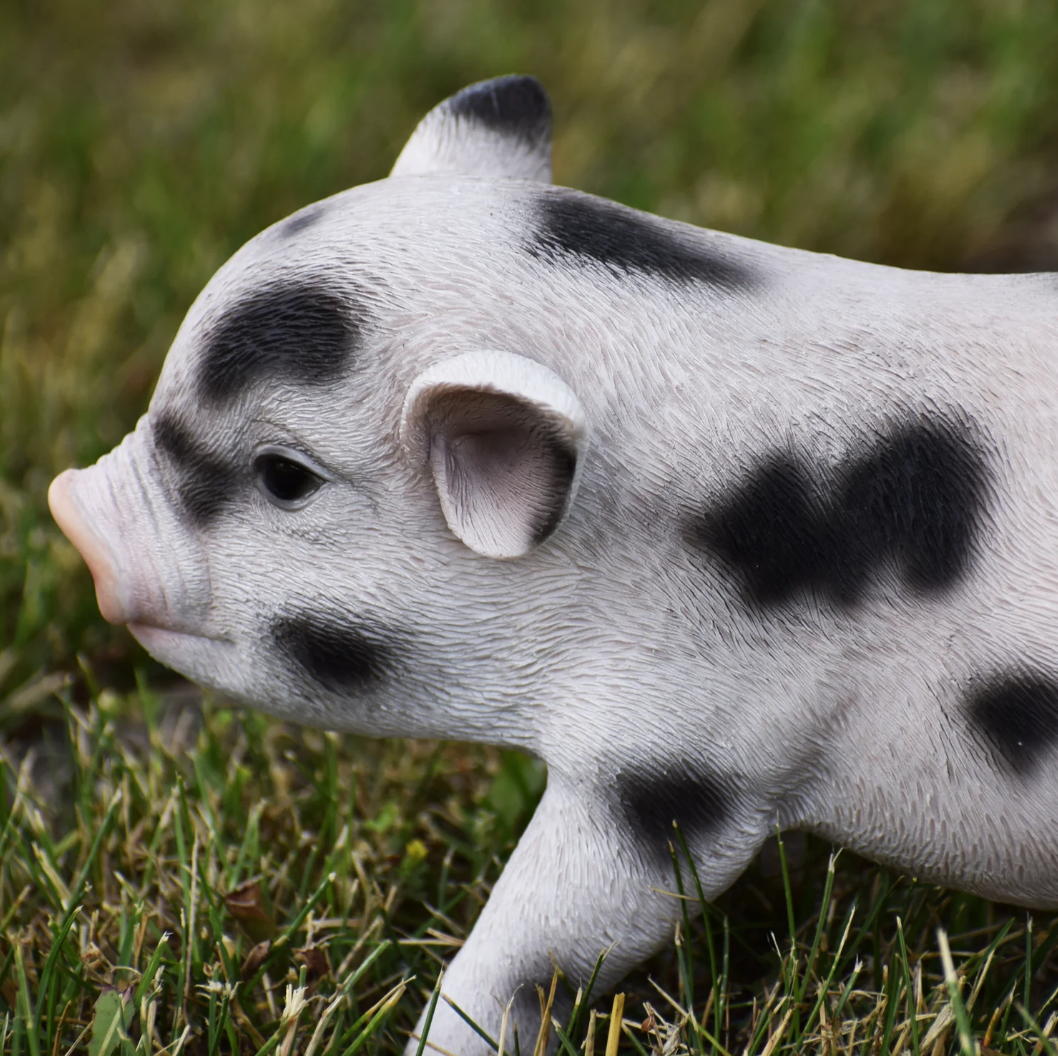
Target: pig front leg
x: 576, y: 885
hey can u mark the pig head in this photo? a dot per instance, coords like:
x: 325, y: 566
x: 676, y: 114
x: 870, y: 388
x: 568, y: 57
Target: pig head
x: 730, y: 535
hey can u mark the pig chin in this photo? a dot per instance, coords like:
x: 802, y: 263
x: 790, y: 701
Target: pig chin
x: 124, y: 528
x: 209, y: 661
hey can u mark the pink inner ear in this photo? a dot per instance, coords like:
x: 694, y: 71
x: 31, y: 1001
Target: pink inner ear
x: 503, y: 472
x: 505, y: 484
x: 493, y: 456
x: 503, y: 436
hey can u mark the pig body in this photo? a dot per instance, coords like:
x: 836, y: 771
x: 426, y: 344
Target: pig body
x: 729, y: 534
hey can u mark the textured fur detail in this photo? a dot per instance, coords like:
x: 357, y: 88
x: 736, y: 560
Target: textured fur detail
x: 1018, y: 714
x: 205, y: 485
x: 303, y: 332
x: 593, y: 232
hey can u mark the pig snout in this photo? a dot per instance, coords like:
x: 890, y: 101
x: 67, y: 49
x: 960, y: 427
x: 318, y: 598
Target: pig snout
x: 96, y: 553
x: 147, y: 570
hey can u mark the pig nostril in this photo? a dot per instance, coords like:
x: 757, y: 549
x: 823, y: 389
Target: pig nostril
x: 70, y: 518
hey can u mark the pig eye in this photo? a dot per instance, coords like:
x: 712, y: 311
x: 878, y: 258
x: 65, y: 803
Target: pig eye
x: 284, y: 480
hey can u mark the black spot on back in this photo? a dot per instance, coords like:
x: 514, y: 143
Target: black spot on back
x: 914, y: 499
x: 204, y: 484
x: 302, y: 220
x: 1017, y: 716
x: 514, y: 106
x: 301, y: 333
x: 337, y: 652
x: 651, y: 801
x: 587, y: 231
x: 771, y: 532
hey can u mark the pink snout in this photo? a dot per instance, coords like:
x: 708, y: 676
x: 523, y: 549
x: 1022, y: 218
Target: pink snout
x: 76, y: 527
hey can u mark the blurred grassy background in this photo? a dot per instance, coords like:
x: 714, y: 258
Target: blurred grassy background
x: 142, y: 141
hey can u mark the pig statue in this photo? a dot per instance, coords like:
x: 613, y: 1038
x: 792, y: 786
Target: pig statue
x: 731, y: 535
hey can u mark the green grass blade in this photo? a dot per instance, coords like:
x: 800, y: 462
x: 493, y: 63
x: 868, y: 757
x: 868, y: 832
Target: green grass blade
x: 429, y: 1014
x: 470, y: 1023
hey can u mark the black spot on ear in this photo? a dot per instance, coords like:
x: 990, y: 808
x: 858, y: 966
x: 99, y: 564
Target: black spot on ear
x: 651, y: 801
x: 1017, y: 715
x: 204, y: 484
x: 576, y: 228
x: 302, y: 220
x: 514, y: 106
x: 914, y: 499
x: 337, y: 652
x: 300, y: 333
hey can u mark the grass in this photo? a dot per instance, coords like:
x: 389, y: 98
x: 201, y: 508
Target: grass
x: 168, y: 844
x: 213, y: 882
x: 149, y: 844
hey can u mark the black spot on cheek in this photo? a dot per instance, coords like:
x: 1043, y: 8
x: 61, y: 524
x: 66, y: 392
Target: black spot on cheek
x: 340, y: 654
x: 203, y: 484
x: 1017, y: 715
x: 515, y: 105
x: 302, y: 220
x: 585, y: 231
x: 650, y: 802
x: 306, y: 334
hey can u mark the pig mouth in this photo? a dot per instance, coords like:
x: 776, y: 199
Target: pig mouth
x: 157, y: 634
x: 202, y: 658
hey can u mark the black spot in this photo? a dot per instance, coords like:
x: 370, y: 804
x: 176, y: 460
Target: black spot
x: 915, y: 499
x: 204, y: 484
x: 302, y: 220
x: 650, y: 802
x: 339, y: 653
x: 300, y: 333
x: 1017, y: 714
x: 576, y: 228
x: 563, y: 464
x: 771, y: 532
x: 514, y: 106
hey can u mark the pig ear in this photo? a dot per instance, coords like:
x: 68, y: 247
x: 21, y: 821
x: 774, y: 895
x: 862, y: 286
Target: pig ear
x: 500, y: 127
x: 504, y: 439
